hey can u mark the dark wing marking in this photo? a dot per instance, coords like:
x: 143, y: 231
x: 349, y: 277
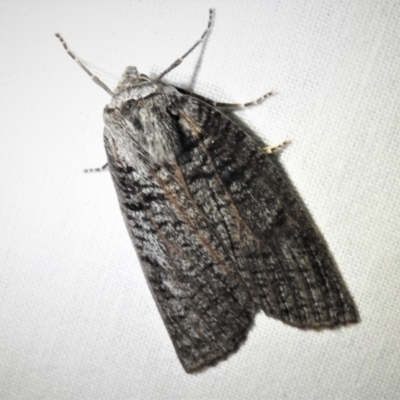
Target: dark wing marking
x: 190, y: 272
x: 278, y: 250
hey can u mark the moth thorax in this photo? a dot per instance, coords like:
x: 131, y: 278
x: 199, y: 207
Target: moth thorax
x: 158, y: 142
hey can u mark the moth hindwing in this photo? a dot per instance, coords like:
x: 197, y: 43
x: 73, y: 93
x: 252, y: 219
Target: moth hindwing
x: 219, y: 231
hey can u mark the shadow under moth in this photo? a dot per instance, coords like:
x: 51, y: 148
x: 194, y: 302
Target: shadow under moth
x: 219, y: 231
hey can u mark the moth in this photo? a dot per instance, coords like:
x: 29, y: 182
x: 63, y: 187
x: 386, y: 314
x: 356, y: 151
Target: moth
x: 219, y: 231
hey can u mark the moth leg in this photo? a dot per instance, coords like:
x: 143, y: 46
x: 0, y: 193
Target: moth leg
x: 101, y: 169
x: 179, y: 60
x: 79, y: 62
x: 277, y: 148
x: 225, y: 106
x: 238, y: 106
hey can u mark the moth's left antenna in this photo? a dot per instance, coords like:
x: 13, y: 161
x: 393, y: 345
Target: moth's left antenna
x: 76, y: 59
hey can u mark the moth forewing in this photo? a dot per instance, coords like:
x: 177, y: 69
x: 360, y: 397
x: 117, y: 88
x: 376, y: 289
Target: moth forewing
x: 218, y: 229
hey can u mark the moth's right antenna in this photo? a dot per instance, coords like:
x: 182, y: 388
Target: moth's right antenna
x: 179, y: 60
x: 76, y: 59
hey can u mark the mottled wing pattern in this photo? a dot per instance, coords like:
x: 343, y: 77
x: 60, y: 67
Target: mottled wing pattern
x: 221, y: 234
x: 202, y: 298
x: 278, y: 250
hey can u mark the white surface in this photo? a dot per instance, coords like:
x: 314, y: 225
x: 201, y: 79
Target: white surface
x: 77, y: 320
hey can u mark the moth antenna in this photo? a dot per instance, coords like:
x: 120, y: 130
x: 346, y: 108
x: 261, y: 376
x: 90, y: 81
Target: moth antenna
x: 179, y: 60
x: 76, y: 59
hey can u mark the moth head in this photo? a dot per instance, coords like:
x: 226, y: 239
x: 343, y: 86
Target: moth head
x: 131, y: 77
